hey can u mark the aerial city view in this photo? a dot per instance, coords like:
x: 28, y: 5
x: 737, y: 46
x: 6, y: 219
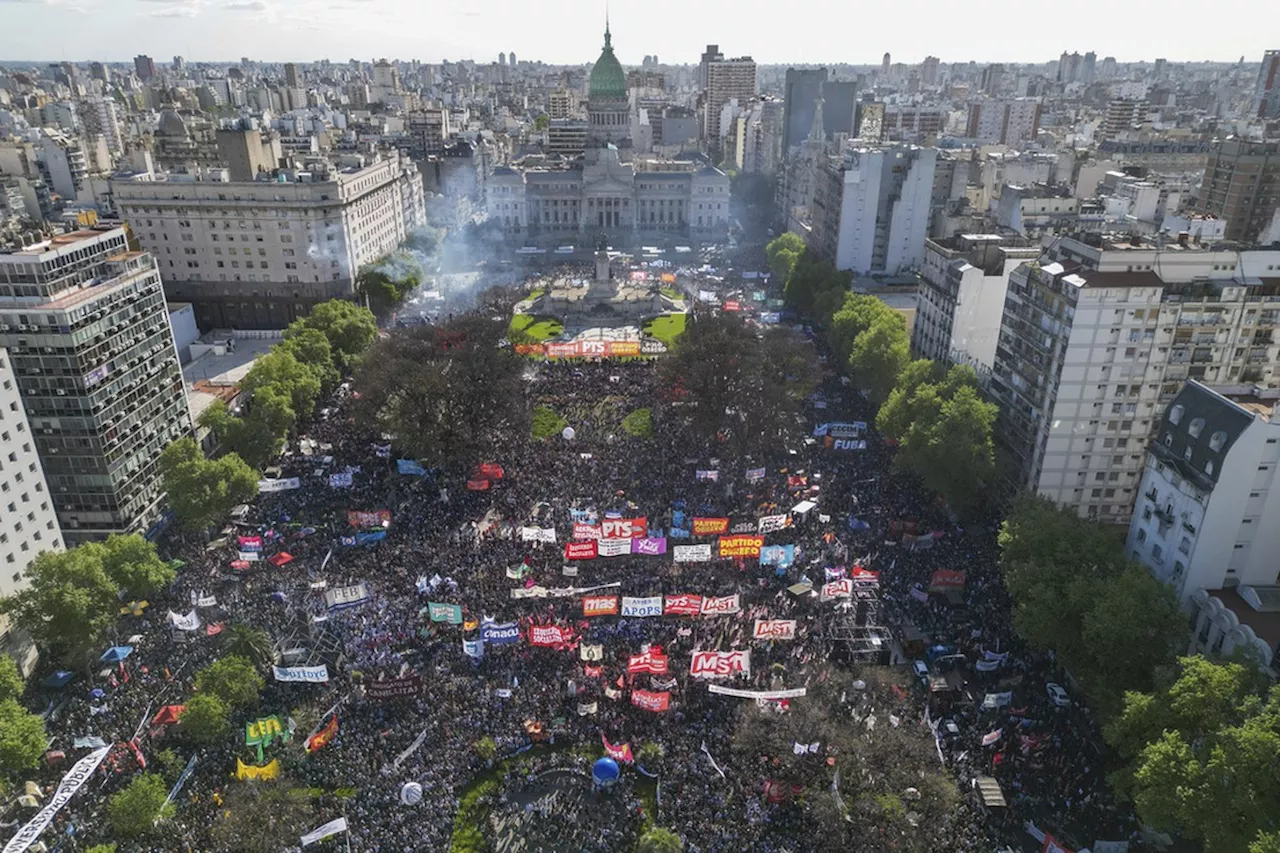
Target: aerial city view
x: 639, y: 429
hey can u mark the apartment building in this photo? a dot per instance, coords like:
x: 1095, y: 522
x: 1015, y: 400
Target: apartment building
x: 1097, y: 335
x: 259, y: 254
x: 84, y: 321
x: 727, y: 80
x: 1242, y: 185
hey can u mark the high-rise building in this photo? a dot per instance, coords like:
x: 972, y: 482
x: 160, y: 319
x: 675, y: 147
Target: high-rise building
x: 871, y: 210
x: 1015, y: 122
x: 710, y: 55
x: 1088, y: 71
x: 291, y: 77
x: 803, y: 86
x: 98, y: 71
x: 87, y: 331
x: 502, y: 60
x: 884, y: 64
x: 839, y: 106
x: 1242, y: 185
x: 1266, y: 92
x: 1095, y: 335
x: 727, y: 80
x: 428, y: 130
x: 929, y: 71
x: 1122, y: 114
x: 101, y: 119
x: 992, y: 79
x: 1157, y: 70
x: 511, y: 59
x: 179, y: 64
x: 293, y: 241
x: 145, y: 67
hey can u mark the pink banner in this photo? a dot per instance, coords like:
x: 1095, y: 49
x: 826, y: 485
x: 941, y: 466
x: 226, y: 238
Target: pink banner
x: 650, y: 546
x: 650, y: 701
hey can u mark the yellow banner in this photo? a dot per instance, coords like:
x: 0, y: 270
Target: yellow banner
x: 267, y: 771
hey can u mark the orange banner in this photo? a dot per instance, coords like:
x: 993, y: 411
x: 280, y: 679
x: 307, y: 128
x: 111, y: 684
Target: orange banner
x: 741, y: 546
x: 599, y: 605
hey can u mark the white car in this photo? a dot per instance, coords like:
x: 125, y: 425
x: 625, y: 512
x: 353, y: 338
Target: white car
x: 1057, y: 695
x: 921, y: 669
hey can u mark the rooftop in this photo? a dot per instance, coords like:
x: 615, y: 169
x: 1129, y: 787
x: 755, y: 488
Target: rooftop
x: 1265, y: 623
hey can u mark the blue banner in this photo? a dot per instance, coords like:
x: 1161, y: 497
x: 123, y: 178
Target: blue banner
x: 507, y: 632
x: 364, y: 538
x: 411, y: 466
x: 678, y: 533
x: 858, y: 524
x: 778, y: 555
x: 473, y: 648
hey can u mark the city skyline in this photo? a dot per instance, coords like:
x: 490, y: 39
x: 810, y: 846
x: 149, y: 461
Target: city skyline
x: 224, y: 31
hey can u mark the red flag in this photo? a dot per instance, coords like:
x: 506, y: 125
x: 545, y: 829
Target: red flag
x: 323, y: 736
x: 618, y: 753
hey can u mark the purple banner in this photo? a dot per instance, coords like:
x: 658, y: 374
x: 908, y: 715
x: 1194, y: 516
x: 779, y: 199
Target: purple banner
x: 649, y: 546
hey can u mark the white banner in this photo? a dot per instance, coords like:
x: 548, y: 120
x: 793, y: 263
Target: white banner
x: 250, y: 556
x: 547, y: 534
x: 320, y: 833
x: 265, y: 486
x: 724, y: 605
x: 530, y: 534
x: 774, y: 629
x: 640, y: 607
x: 190, y: 622
x: 207, y: 601
x: 770, y: 523
x: 720, y: 664
x: 613, y: 547
x: 72, y: 782
x: 310, y: 674
x: 346, y: 596
x: 692, y: 553
x: 794, y: 693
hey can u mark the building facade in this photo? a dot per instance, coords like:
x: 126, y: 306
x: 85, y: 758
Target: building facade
x: 87, y: 332
x: 1242, y: 185
x: 1266, y: 92
x: 259, y: 254
x: 608, y: 104
x: 727, y: 80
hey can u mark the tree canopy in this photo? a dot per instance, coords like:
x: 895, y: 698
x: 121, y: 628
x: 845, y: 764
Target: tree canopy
x: 783, y: 252
x: 659, y: 839
x: 1201, y: 755
x: 69, y: 602
x: 202, y: 491
x: 11, y: 681
x: 815, y: 288
x: 281, y: 370
x: 350, y: 328
x: 233, y: 679
x: 133, y: 564
x: 445, y: 391
x: 205, y: 719
x: 133, y: 811
x: 22, y: 738
x: 389, y: 280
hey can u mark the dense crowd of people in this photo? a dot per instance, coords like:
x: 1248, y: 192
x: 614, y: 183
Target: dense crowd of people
x: 450, y: 542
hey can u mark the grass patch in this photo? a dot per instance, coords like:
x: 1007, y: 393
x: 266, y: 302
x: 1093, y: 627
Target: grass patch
x: 671, y: 293
x: 535, y: 328
x: 546, y: 423
x: 666, y: 328
x: 536, y: 293
x: 468, y: 826
x: 639, y: 424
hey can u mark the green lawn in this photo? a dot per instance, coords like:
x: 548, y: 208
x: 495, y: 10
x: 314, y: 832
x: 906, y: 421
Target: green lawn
x: 672, y: 293
x: 666, y: 328
x: 546, y: 423
x: 535, y: 327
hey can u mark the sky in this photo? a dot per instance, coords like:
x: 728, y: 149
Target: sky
x: 677, y: 31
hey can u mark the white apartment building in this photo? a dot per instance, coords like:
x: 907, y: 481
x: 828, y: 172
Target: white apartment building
x: 1097, y: 336
x: 871, y: 209
x: 963, y: 282
x: 259, y: 254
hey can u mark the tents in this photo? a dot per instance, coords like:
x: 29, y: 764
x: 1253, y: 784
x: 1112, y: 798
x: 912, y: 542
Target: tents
x: 168, y: 715
x: 115, y: 654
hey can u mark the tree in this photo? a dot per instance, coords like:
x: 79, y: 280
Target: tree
x: 815, y: 287
x: 11, y: 681
x: 1266, y: 842
x: 279, y: 369
x: 133, y: 811
x: 202, y: 491
x: 856, y: 314
x: 541, y: 122
x: 262, y: 817
x: 783, y: 252
x: 389, y: 280
x: 133, y: 564
x: 658, y: 839
x: 205, y: 719
x: 312, y: 349
x: 232, y: 679
x: 903, y: 407
x: 252, y: 644
x: 878, y: 356
x: 1201, y: 754
x: 639, y: 424
x: 69, y: 602
x: 349, y: 328
x: 445, y: 391
x: 102, y: 848
x: 22, y: 738
x: 258, y: 435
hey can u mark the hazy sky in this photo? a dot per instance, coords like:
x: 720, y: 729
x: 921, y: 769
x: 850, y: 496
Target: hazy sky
x: 569, y: 31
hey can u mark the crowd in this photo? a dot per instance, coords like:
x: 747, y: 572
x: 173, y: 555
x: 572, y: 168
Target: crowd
x: 448, y: 543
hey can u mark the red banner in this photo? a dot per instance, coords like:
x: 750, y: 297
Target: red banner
x: 580, y: 550
x: 530, y: 349
x: 861, y: 574
x: 724, y: 605
x: 624, y: 528
x: 682, y: 605
x: 583, y: 532
x: 732, y: 305
x: 710, y: 526
x: 562, y: 350
x: 774, y: 629
x: 322, y: 737
x: 549, y: 635
x: 741, y: 546
x: 492, y: 471
x: 372, y: 518
x: 653, y: 662
x: 617, y: 753
x: 945, y: 579
x: 837, y: 589
x: 477, y: 485
x: 651, y: 701
x: 719, y: 664
x: 600, y: 605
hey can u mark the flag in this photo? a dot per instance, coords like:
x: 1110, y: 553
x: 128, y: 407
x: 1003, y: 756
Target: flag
x: 618, y: 753
x: 991, y: 737
x: 590, y: 652
x: 714, y: 766
x: 586, y: 709
x: 320, y: 833
x: 322, y: 737
x: 805, y: 748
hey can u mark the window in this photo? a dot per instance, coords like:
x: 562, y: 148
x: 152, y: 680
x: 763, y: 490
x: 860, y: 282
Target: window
x: 1216, y: 441
x: 1176, y: 413
x: 1196, y: 427
x: 1142, y: 535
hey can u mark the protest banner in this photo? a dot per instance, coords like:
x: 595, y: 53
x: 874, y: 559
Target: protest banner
x: 268, y: 771
x: 473, y: 648
x: 478, y: 485
x: 612, y: 547
x: 372, y: 518
x: 321, y: 738
x: 283, y: 485
x: 588, y: 651
x: 393, y: 688
x: 581, y: 550
x: 250, y: 543
x: 710, y: 526
x: 499, y: 635
x: 774, y: 629
x: 837, y: 589
x: 682, y: 605
x: 549, y: 636
x: 599, y: 605
x: 651, y: 662
x: 534, y: 591
x: 651, y: 701
x: 768, y: 695
x: 82, y: 772
x: 710, y: 475
x: 410, y: 467
x: 755, y: 474
x: 692, y: 553
x: 624, y: 528
x: 996, y: 700
x: 309, y: 674
x: 440, y: 612
x: 346, y: 596
x: 724, y: 605
x: 771, y: 523
x: 320, y: 833
x: 740, y: 546
x: 341, y: 480
x: 649, y: 546
x: 782, y: 556
x: 617, y: 753
x: 642, y: 607
x: 720, y: 664
x: 944, y: 579
x: 583, y: 532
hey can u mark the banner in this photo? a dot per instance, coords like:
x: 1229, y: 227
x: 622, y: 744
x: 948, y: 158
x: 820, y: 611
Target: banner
x: 768, y: 695
x: 549, y: 635
x: 534, y: 591
x: 651, y: 662
x: 770, y: 523
x: 491, y: 471
x: 919, y: 594
x: 267, y: 771
x: 320, y: 833
x: 373, y: 518
x: 411, y: 467
x: 624, y: 528
x: 642, y: 607
x: 724, y: 605
x: 600, y: 605
x: 710, y: 526
x: 617, y: 753
x: 944, y: 579
x: 682, y: 605
x: 249, y: 556
x: 774, y: 629
x: 782, y: 556
x: 651, y: 701
x: 71, y: 783
x: 340, y: 480
x: 712, y: 476
x: 189, y: 622
x: 987, y: 665
x: 321, y: 739
x: 451, y: 613
x: 393, y: 688
x: 250, y: 543
x: 755, y: 475
x: 580, y: 550
x: 473, y: 648
x: 720, y: 664
x: 692, y: 553
x: 991, y: 737
x: 611, y: 547
x: 508, y: 632
x: 650, y: 546
x: 741, y: 546
x: 268, y: 486
x: 996, y: 700
x: 837, y: 589
x: 583, y: 532
x: 478, y: 485
x: 591, y: 652
x: 588, y: 709
x: 182, y: 780
x: 346, y: 596
x: 805, y: 748
x: 309, y: 674
x: 264, y: 731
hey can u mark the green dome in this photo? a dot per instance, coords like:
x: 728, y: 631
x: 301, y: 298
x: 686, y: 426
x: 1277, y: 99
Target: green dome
x: 608, y: 80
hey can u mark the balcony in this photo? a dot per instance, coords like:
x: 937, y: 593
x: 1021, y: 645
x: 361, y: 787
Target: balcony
x: 1151, y: 495
x: 1165, y: 516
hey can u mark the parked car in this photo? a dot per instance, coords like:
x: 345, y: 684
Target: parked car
x: 921, y: 669
x: 1057, y: 695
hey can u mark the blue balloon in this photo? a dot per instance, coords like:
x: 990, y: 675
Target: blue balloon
x: 605, y: 772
